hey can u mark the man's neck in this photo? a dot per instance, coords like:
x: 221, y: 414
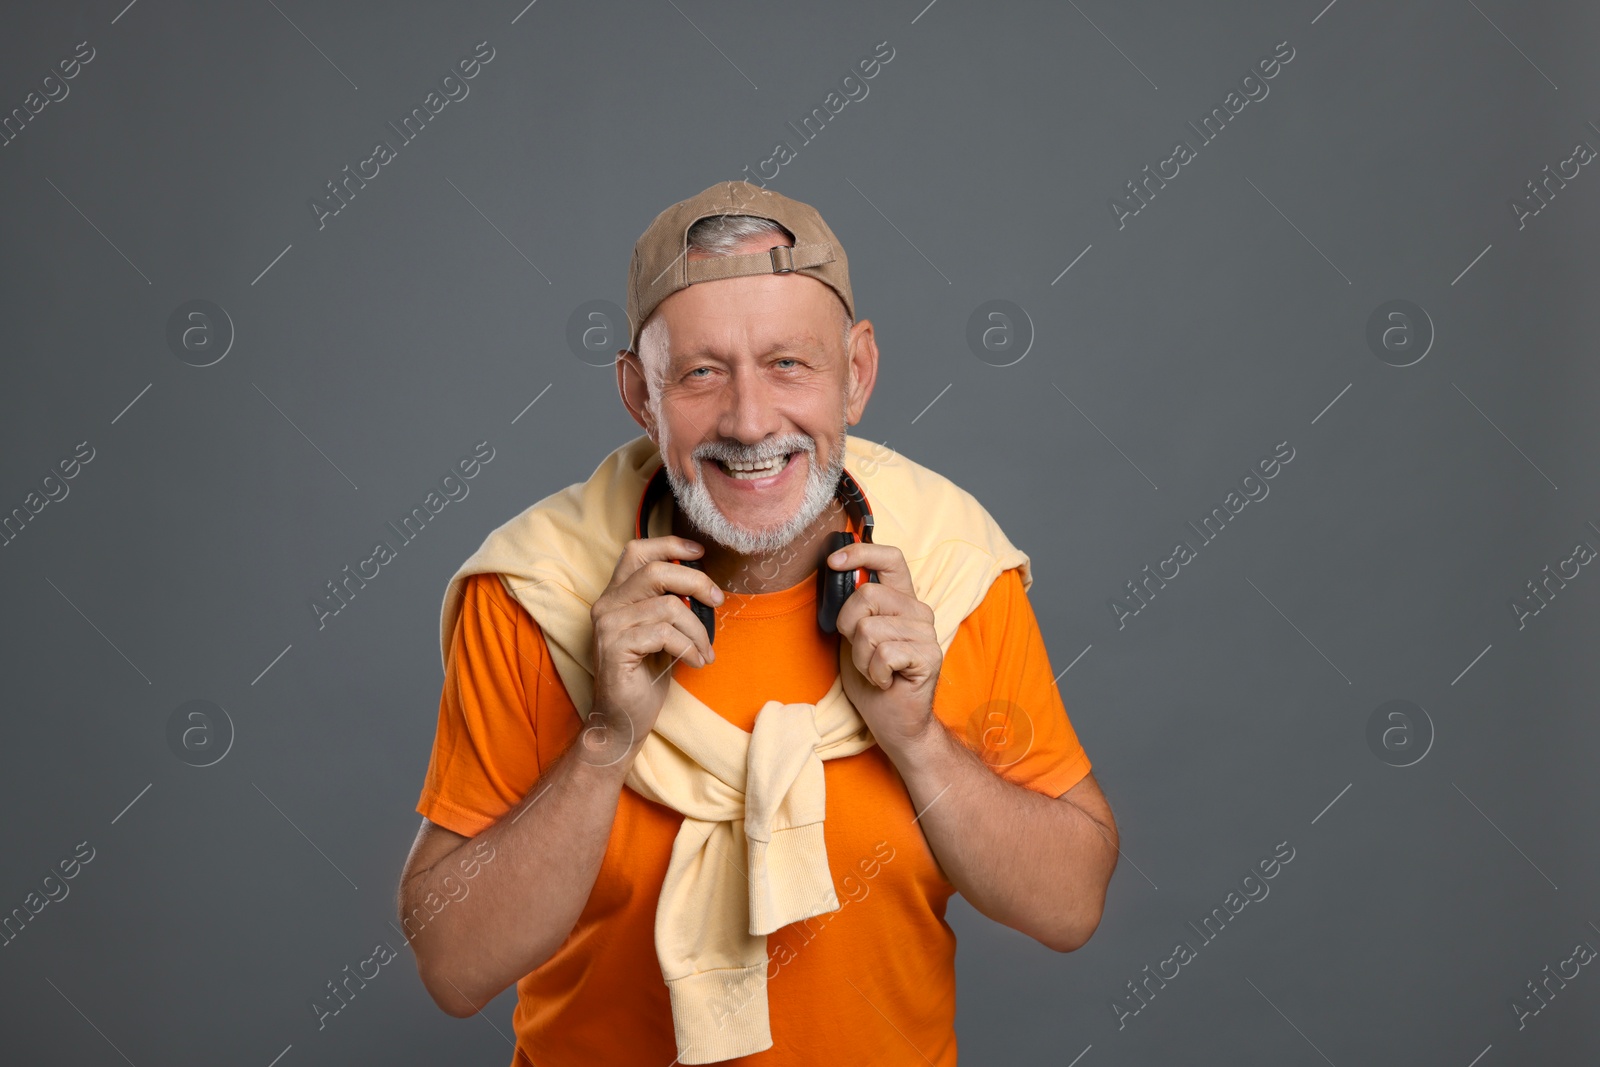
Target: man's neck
x: 744, y: 575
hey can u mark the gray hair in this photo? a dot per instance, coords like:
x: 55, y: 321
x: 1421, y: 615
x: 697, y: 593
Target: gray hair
x: 721, y: 235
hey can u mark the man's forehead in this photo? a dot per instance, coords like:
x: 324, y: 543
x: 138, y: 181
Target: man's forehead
x: 726, y: 336
x: 771, y: 313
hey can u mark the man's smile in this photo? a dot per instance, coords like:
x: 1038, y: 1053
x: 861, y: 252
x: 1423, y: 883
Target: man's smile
x: 755, y: 474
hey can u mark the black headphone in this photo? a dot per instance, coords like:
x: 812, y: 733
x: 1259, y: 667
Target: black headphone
x: 833, y: 587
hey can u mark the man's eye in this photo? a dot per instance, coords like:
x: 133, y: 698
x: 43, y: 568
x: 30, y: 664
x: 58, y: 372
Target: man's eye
x: 786, y: 359
x: 697, y: 370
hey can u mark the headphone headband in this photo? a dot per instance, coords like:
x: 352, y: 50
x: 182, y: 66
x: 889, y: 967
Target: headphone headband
x: 853, y: 497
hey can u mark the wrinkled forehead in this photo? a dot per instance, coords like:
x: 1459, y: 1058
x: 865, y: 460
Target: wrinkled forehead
x: 781, y: 313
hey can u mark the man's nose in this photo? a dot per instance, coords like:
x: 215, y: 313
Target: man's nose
x: 748, y: 415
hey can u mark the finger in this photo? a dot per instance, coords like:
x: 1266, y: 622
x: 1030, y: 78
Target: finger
x: 887, y: 560
x: 680, y: 646
x: 675, y: 613
x: 897, y: 628
x: 662, y: 576
x: 907, y: 658
x: 871, y: 601
x: 877, y: 631
x: 640, y: 551
x: 862, y: 647
x: 649, y: 638
x: 637, y: 553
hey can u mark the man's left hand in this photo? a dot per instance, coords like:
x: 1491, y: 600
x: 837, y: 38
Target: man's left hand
x: 893, y: 646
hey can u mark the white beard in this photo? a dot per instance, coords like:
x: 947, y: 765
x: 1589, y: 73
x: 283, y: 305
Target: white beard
x: 695, y: 499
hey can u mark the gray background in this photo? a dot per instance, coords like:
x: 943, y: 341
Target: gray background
x: 1222, y: 319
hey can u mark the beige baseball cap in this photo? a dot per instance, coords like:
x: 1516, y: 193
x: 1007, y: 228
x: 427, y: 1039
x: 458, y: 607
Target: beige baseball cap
x: 661, y: 264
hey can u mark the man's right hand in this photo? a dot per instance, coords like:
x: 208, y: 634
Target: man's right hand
x: 641, y: 630
x: 527, y: 902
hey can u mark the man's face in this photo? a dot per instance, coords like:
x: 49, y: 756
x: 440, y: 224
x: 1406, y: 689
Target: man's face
x: 751, y: 372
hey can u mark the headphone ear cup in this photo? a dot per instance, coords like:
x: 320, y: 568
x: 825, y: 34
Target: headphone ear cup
x: 704, y: 612
x: 834, y: 587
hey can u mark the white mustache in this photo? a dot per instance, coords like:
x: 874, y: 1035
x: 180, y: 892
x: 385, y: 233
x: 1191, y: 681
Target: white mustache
x: 756, y: 455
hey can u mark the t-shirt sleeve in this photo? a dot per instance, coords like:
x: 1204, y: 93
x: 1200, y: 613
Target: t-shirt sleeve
x: 485, y: 756
x: 1018, y: 723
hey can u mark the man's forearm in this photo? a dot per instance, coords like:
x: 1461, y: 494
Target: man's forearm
x: 1035, y: 863
x: 522, y: 906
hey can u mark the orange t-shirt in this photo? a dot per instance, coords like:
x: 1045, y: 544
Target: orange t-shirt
x: 873, y: 982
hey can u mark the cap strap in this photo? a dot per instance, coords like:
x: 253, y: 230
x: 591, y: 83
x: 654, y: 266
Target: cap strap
x: 780, y: 259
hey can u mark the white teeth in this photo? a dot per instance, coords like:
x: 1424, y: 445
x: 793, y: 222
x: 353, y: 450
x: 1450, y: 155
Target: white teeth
x: 747, y: 470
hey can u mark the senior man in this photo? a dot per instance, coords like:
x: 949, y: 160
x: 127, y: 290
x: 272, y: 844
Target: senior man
x: 702, y: 787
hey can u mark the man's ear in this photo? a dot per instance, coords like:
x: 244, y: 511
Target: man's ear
x: 633, y: 389
x: 863, y: 358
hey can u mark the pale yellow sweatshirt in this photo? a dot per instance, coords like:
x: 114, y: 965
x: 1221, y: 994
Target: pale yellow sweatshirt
x: 757, y: 798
